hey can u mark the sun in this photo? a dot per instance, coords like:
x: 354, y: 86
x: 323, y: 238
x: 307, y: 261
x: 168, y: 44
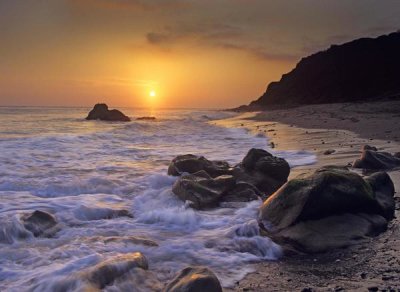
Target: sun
x: 152, y: 93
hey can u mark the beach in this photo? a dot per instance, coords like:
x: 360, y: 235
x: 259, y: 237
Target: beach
x: 335, y: 133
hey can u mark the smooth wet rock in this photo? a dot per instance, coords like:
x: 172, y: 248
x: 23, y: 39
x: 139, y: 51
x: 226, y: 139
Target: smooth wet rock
x: 194, y: 279
x: 105, y: 273
x: 202, y: 191
x: 331, y: 208
x: 263, y: 170
x: 242, y: 192
x: 190, y: 163
x: 383, y: 188
x: 372, y: 159
x: 338, y: 231
x: 40, y: 223
x: 101, y: 112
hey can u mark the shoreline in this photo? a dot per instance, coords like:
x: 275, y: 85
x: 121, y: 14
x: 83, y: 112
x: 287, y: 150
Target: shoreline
x: 372, y: 264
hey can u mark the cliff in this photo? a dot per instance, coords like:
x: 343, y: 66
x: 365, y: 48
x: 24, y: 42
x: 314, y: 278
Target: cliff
x: 363, y: 69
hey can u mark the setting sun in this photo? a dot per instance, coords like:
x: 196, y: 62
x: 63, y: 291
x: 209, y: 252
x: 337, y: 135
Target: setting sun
x: 152, y: 93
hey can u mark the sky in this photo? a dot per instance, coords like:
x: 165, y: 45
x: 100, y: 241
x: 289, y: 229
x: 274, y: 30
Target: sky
x: 189, y: 53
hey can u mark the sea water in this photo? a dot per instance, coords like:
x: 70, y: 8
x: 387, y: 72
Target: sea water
x: 80, y: 171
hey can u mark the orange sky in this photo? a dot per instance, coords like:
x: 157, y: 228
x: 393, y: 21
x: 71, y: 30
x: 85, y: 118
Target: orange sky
x: 193, y: 53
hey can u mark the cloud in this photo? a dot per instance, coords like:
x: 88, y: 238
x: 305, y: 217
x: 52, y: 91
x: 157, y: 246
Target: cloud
x: 217, y: 35
x: 130, y: 5
x: 194, y: 32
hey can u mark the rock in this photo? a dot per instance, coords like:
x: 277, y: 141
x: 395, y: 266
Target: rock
x: 105, y: 273
x: 259, y: 175
x: 329, y: 151
x: 363, y: 69
x: 194, y: 279
x: 101, y: 112
x: 202, y: 191
x: 99, y: 276
x: 383, y: 187
x: 373, y: 159
x: 322, y: 235
x: 397, y: 155
x: 40, y: 223
x: 190, y: 163
x: 331, y: 208
x: 263, y: 170
x: 369, y: 147
x: 242, y: 192
x: 146, y: 119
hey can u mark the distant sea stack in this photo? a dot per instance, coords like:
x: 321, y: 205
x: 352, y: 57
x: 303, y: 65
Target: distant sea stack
x: 363, y: 69
x: 101, y: 112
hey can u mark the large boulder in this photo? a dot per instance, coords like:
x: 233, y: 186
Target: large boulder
x: 372, y: 159
x: 40, y: 223
x: 190, y: 163
x: 194, y: 279
x: 333, y: 207
x: 257, y: 176
x: 101, y: 112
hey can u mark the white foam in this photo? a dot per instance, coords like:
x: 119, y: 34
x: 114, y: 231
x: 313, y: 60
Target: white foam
x: 84, y: 173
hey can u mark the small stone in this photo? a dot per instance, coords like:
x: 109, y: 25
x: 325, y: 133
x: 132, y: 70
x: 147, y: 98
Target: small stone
x: 363, y: 275
x: 373, y: 288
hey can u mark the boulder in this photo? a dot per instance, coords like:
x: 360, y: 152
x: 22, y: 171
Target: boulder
x: 383, y: 188
x: 263, y: 170
x: 372, y: 159
x: 105, y: 273
x: 101, y: 112
x: 321, y: 211
x: 201, y: 190
x: 211, y: 182
x: 40, y: 223
x: 194, y: 279
x: 190, y: 163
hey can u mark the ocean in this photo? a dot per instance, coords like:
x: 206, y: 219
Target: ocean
x: 80, y: 171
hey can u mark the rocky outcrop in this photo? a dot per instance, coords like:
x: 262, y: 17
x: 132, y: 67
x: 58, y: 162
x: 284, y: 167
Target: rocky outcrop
x: 205, y: 183
x: 362, y: 69
x: 194, y: 279
x: 40, y: 223
x: 373, y: 159
x: 146, y: 119
x: 331, y: 208
x: 101, y: 112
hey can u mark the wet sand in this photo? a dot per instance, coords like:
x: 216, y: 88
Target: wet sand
x: 372, y: 265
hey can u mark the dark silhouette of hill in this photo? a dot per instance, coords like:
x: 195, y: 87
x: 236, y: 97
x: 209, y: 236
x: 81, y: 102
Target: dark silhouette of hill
x: 363, y: 69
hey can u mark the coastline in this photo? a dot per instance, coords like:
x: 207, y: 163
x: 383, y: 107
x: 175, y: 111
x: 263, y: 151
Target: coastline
x: 344, y: 127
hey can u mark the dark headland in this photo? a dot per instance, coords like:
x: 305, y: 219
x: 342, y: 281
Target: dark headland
x: 360, y: 70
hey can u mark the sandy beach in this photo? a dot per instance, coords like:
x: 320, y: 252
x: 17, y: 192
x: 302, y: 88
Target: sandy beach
x: 335, y: 133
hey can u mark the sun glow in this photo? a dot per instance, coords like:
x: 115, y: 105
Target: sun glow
x: 152, y: 93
